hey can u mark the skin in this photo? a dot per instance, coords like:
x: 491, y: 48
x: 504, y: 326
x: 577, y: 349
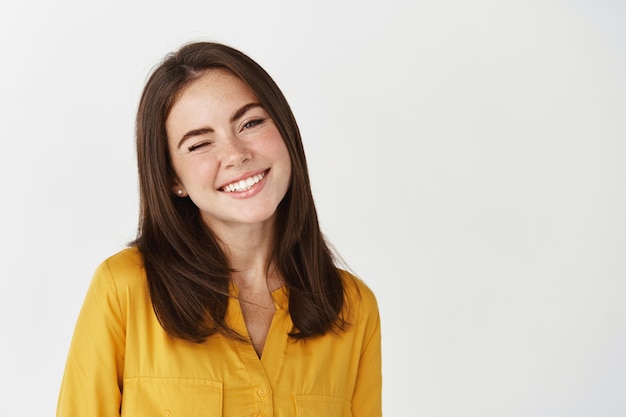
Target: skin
x: 218, y: 134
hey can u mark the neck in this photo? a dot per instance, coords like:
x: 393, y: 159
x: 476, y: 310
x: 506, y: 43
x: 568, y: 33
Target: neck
x: 249, y: 248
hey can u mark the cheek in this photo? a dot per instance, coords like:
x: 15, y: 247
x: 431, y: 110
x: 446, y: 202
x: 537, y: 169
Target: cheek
x: 288, y: 163
x: 272, y: 147
x: 281, y: 152
x: 287, y: 158
x: 196, y: 172
x: 286, y: 168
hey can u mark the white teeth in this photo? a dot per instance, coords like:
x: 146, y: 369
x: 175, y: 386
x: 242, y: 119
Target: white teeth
x: 243, y: 185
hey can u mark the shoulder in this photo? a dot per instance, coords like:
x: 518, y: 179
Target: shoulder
x: 361, y: 310
x: 116, y: 281
x: 128, y: 259
x: 358, y: 294
x: 123, y: 269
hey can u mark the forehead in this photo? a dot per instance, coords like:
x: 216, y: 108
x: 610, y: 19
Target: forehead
x: 215, y: 84
x: 213, y: 97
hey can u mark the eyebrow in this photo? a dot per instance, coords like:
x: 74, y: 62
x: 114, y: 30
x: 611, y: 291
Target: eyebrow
x: 204, y: 130
x: 243, y: 110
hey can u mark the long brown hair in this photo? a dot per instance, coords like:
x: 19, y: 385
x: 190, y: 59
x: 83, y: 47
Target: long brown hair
x: 188, y: 272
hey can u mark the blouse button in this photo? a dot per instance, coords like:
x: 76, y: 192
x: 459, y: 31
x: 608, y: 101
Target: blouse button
x: 262, y: 392
x: 167, y: 413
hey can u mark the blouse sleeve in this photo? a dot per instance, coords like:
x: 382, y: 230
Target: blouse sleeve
x: 367, y: 397
x: 93, y: 375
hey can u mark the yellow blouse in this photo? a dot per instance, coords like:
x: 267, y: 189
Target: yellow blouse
x: 122, y: 363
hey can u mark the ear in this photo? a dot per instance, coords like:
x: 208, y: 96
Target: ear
x: 178, y: 189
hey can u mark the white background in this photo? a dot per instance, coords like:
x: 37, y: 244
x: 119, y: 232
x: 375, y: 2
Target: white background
x: 467, y: 159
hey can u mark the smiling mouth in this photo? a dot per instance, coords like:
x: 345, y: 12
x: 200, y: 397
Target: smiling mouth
x: 244, y: 184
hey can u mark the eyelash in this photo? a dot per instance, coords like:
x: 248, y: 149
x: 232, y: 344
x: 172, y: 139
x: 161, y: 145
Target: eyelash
x: 248, y: 125
x: 197, y: 146
x: 253, y: 122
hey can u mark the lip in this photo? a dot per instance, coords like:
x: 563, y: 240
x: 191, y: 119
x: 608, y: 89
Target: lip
x: 251, y: 192
x: 243, y: 177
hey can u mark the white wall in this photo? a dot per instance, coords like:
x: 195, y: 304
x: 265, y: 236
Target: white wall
x: 467, y: 160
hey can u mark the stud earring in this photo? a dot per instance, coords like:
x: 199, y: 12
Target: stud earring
x: 179, y: 192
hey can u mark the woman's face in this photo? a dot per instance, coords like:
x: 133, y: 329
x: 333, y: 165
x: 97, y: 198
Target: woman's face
x: 227, y: 153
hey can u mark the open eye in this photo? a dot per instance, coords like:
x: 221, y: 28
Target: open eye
x: 251, y: 123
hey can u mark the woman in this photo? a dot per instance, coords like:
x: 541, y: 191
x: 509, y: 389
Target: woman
x: 228, y: 303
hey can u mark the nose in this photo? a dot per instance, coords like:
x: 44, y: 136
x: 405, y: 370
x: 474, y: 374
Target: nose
x: 235, y: 152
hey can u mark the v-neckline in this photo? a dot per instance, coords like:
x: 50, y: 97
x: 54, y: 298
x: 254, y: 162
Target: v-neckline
x: 277, y: 336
